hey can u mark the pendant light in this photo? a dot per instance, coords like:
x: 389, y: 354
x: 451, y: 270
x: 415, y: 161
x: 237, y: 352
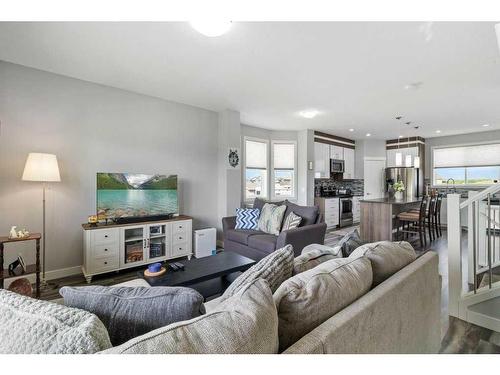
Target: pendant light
x: 399, y: 157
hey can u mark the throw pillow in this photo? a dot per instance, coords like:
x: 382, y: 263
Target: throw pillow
x: 292, y: 221
x: 128, y: 312
x: 386, y: 258
x: 314, y: 256
x: 247, y: 218
x: 275, y: 268
x: 246, y: 323
x: 308, y: 299
x: 271, y: 217
x: 350, y: 242
x: 32, y: 326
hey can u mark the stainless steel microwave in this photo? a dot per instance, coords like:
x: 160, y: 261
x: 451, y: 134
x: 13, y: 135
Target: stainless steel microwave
x: 336, y: 166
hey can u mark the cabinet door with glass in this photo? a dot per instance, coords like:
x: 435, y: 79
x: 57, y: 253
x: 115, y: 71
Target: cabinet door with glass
x: 158, y: 241
x: 133, y: 243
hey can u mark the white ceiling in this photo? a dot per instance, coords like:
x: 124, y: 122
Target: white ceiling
x: 355, y: 73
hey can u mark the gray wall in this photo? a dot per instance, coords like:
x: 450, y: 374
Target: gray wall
x: 95, y: 128
x: 489, y: 136
x: 367, y: 148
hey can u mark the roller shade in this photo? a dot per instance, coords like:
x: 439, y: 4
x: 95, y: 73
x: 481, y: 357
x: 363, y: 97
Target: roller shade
x: 284, y: 156
x: 467, y: 156
x: 256, y: 154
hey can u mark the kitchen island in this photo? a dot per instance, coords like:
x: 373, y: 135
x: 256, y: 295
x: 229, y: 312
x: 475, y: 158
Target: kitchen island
x: 378, y: 217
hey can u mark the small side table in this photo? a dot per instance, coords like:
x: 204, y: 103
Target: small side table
x: 30, y: 269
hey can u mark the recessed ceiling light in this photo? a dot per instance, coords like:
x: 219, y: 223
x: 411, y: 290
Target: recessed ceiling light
x: 368, y: 134
x: 486, y: 125
x: 211, y: 28
x: 400, y: 136
x: 351, y: 130
x: 309, y: 113
x: 413, y: 86
x: 438, y: 131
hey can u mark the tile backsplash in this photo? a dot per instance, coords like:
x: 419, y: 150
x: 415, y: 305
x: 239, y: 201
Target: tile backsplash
x: 356, y: 186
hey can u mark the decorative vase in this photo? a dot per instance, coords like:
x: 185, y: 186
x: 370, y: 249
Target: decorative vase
x: 398, y: 195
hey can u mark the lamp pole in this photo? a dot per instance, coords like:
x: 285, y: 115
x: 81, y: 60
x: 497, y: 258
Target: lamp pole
x: 44, y: 282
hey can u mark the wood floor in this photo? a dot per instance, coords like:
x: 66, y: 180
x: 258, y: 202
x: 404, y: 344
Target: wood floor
x: 458, y: 336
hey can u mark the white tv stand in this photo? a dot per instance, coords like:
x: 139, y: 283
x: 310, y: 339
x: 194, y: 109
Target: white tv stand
x: 116, y: 247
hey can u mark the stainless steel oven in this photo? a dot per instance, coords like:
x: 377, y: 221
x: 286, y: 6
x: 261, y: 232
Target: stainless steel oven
x: 345, y: 208
x: 336, y: 166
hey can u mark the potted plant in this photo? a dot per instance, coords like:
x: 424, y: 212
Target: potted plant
x: 399, y: 188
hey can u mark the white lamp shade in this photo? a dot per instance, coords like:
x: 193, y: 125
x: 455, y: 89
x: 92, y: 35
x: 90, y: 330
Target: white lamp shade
x: 416, y: 162
x: 408, y: 161
x: 41, y: 167
x: 399, y: 159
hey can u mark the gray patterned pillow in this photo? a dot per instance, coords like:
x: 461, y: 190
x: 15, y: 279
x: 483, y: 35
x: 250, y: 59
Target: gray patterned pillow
x: 292, y: 221
x: 275, y: 268
x: 31, y: 326
x: 128, y: 312
x: 271, y: 217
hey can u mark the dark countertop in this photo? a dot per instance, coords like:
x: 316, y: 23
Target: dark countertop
x: 392, y: 200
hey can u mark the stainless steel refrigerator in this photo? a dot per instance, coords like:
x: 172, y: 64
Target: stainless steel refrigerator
x: 408, y: 175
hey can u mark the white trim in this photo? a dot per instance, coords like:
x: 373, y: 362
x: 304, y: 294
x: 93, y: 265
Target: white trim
x: 374, y: 158
x: 403, y: 143
x: 244, y: 169
x: 49, y: 275
x: 271, y: 174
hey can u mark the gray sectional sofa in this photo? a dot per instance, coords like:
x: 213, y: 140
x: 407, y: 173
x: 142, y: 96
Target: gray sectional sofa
x: 255, y: 244
x: 400, y: 314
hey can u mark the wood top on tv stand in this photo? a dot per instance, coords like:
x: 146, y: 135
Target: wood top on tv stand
x: 87, y: 226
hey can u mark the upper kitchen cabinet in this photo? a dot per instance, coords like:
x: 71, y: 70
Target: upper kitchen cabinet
x: 326, y: 147
x: 336, y: 152
x: 348, y: 163
x: 321, y: 160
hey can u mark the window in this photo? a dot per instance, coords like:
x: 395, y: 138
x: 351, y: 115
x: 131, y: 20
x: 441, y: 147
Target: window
x: 467, y: 165
x: 256, y: 176
x: 283, y: 169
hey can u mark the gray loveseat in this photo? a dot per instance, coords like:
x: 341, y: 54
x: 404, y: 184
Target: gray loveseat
x: 255, y: 244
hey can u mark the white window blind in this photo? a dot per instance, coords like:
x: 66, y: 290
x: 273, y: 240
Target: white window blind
x: 256, y: 154
x: 284, y: 156
x: 467, y: 156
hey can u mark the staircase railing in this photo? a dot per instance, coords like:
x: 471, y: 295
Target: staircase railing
x: 482, y: 251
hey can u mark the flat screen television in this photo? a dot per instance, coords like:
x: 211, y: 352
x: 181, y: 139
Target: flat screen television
x: 129, y: 196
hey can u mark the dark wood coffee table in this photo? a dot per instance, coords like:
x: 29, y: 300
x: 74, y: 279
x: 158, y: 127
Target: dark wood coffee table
x: 209, y: 275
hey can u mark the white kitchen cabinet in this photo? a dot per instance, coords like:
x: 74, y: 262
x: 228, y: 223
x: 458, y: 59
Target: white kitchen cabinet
x: 330, y: 209
x: 348, y: 163
x: 321, y: 160
x: 356, y: 209
x: 336, y: 152
x: 391, y: 156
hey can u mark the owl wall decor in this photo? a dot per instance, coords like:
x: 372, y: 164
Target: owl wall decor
x: 233, y: 158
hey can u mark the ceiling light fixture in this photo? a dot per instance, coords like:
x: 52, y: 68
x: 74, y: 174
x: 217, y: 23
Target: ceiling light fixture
x: 351, y: 130
x: 486, y: 125
x: 309, y: 113
x: 438, y: 131
x: 368, y: 135
x: 211, y: 28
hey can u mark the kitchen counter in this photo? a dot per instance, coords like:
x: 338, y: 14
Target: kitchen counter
x: 392, y: 200
x: 378, y: 222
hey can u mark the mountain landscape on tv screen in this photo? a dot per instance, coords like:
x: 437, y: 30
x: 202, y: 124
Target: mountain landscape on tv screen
x: 121, y: 195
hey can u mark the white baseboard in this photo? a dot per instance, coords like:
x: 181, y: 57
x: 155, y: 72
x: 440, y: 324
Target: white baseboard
x: 49, y: 275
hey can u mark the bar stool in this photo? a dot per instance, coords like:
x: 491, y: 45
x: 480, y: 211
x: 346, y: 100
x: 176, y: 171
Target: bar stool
x: 430, y: 216
x: 414, y: 221
x: 437, y: 215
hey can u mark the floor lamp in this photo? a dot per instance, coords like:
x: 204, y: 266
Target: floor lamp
x: 42, y: 168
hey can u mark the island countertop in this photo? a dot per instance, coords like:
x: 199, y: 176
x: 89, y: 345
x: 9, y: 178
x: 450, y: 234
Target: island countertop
x: 392, y: 200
